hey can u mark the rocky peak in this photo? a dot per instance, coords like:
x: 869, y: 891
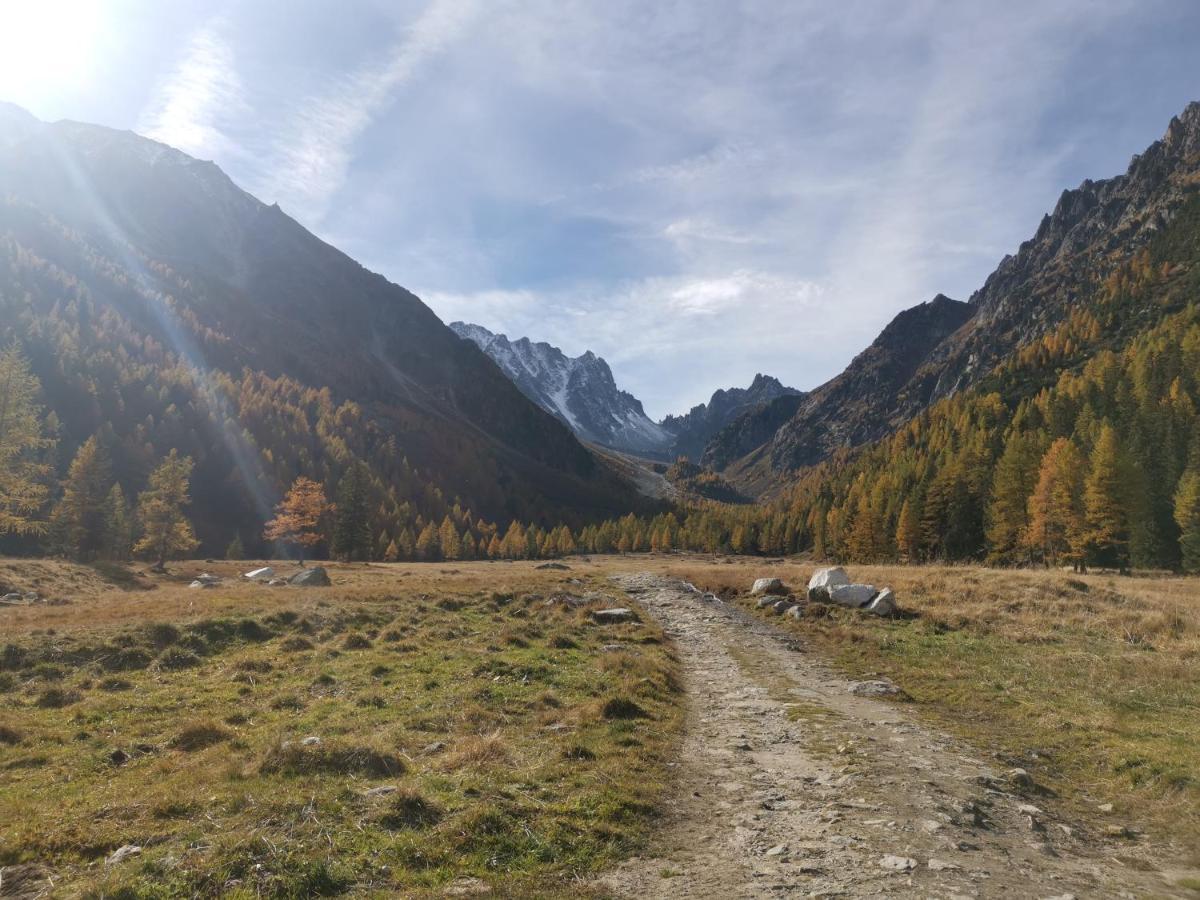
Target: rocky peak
x: 580, y: 391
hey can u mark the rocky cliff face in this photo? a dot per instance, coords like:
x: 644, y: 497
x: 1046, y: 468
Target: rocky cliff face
x: 941, y: 347
x: 579, y: 391
x: 698, y: 426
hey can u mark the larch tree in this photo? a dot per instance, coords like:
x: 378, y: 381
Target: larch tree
x: 1106, y: 517
x: 79, y: 519
x: 118, y: 524
x: 908, y: 532
x: 1187, y: 517
x: 1008, y: 508
x: 1056, y: 505
x: 298, y: 517
x: 166, y: 532
x: 22, y: 435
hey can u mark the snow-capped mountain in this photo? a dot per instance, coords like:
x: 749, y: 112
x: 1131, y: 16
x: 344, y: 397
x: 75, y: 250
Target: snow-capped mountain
x: 580, y: 391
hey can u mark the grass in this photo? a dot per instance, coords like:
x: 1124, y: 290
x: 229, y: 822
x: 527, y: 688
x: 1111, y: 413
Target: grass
x: 399, y: 731
x: 1091, y: 683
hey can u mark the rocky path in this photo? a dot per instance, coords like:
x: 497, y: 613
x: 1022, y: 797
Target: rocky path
x: 789, y: 784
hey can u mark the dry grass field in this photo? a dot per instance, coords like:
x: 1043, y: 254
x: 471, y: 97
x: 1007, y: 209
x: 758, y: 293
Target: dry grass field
x: 1090, y: 682
x: 409, y: 729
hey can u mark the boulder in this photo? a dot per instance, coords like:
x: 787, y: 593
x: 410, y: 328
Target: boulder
x: 616, y: 614
x: 314, y: 577
x: 767, y: 586
x: 855, y: 596
x: 208, y: 579
x: 202, y: 584
x: 825, y: 579
x: 266, y: 572
x: 11, y: 598
x: 782, y: 606
x: 884, y: 603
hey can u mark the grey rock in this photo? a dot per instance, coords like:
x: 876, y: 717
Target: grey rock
x: 782, y: 606
x: 314, y: 577
x: 898, y: 863
x: 767, y: 586
x: 879, y: 688
x: 884, y: 603
x: 435, y: 747
x: 616, y: 614
x: 941, y: 865
x: 263, y: 574
x: 796, y: 612
x: 311, y: 741
x: 765, y: 601
x: 202, y: 584
x: 855, y: 596
x: 123, y: 853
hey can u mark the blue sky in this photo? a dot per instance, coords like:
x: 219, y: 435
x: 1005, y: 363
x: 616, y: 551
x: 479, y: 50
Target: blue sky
x: 697, y: 191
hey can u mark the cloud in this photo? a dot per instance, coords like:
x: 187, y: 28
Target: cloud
x: 191, y: 107
x: 316, y: 149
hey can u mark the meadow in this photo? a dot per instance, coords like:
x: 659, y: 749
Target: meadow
x: 419, y: 729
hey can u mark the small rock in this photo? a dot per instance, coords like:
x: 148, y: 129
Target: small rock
x: 777, y: 850
x: 311, y: 741
x: 765, y: 601
x: 266, y: 572
x: 435, y: 747
x: 796, y: 612
x: 941, y: 865
x: 1118, y: 831
x: 898, y: 863
x: 1029, y: 809
x: 616, y: 614
x: 123, y: 853
x: 767, y: 586
x: 382, y: 791
x: 874, y: 689
x: 781, y: 606
x: 1105, y: 807
x: 314, y: 577
x: 1020, y: 778
x: 31, y: 596
x: 202, y: 584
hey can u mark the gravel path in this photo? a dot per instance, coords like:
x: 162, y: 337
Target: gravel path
x: 791, y: 785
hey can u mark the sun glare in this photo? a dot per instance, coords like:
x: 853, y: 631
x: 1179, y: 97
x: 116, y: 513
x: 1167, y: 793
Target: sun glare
x: 46, y: 47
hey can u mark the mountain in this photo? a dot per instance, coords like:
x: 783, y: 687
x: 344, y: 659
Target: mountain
x: 579, y: 391
x: 164, y: 307
x: 699, y: 425
x: 941, y: 348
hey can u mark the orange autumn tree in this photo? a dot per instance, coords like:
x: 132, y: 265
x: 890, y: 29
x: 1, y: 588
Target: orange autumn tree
x: 298, y: 516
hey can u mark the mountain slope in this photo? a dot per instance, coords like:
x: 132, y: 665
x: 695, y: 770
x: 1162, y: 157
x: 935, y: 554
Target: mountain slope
x: 165, y: 307
x: 696, y: 428
x: 938, y: 349
x: 579, y: 391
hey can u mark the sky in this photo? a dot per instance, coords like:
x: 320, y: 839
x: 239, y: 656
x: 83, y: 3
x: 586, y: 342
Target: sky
x: 697, y: 191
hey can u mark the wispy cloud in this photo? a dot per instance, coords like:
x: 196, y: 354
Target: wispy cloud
x: 315, y: 151
x: 191, y: 107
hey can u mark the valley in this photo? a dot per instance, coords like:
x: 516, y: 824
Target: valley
x: 477, y: 730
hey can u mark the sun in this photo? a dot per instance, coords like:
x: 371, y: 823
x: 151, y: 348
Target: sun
x: 47, y: 47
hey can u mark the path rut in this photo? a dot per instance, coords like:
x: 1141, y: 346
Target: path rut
x: 790, y: 785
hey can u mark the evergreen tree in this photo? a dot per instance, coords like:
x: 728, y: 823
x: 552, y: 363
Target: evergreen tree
x: 1106, y: 521
x: 351, y: 521
x: 22, y: 435
x: 428, y: 548
x: 118, y: 526
x: 79, y: 518
x: 449, y: 540
x: 235, y: 550
x: 392, y: 554
x: 166, y: 532
x: 298, y: 516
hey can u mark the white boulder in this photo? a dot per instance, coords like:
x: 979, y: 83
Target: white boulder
x: 856, y: 596
x: 266, y: 572
x: 884, y: 603
x: 825, y: 579
x: 768, y: 586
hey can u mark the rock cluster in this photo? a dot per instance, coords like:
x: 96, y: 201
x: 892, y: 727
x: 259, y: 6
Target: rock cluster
x: 833, y: 585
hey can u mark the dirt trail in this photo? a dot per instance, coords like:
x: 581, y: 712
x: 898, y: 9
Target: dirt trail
x: 790, y: 785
